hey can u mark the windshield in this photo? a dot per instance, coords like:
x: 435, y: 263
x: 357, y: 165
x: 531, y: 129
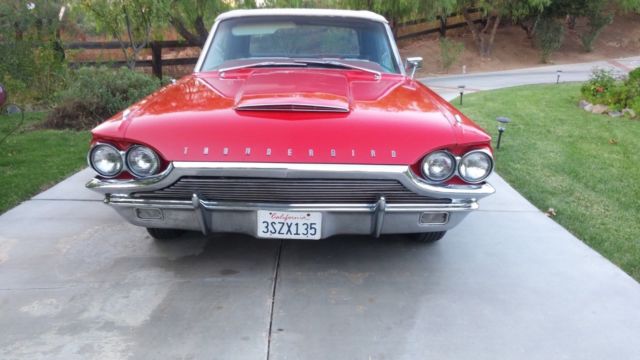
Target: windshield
x: 358, y: 42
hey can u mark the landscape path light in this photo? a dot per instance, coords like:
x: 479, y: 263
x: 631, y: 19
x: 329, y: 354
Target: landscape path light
x: 461, y: 88
x: 502, y: 126
x: 558, y: 73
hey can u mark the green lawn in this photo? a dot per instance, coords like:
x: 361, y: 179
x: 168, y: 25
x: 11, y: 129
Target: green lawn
x: 32, y: 160
x: 585, y: 166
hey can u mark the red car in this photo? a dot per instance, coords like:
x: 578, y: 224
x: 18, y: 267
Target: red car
x: 296, y: 124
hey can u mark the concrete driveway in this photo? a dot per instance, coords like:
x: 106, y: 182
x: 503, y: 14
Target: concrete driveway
x: 447, y: 86
x: 77, y: 282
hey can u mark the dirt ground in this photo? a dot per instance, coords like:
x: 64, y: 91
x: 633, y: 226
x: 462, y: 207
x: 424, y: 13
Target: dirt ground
x: 513, y: 50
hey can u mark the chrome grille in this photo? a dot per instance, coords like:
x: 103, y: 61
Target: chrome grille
x: 276, y: 190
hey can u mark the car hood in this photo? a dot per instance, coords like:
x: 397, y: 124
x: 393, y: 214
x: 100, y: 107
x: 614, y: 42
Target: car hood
x: 294, y: 116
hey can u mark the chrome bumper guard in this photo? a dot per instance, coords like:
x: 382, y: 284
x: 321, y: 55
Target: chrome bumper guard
x: 208, y: 216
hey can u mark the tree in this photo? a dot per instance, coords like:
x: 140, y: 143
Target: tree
x: 395, y: 11
x: 192, y: 19
x: 494, y: 11
x: 548, y: 37
x: 35, y: 20
x: 598, y: 13
x: 130, y: 22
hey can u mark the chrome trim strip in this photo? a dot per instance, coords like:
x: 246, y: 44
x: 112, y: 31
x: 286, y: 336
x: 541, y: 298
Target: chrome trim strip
x: 377, y: 74
x: 357, y: 14
x: 262, y: 64
x: 126, y: 201
x: 128, y: 185
x: 396, y: 52
x: 205, y: 48
x: 401, y: 173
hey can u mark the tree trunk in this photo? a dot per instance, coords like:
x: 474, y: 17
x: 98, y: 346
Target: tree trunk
x: 483, y: 36
x: 492, y: 35
x: 18, y: 31
x: 203, y: 33
x: 572, y: 22
x: 471, y: 25
x: 443, y: 25
x: 191, y: 38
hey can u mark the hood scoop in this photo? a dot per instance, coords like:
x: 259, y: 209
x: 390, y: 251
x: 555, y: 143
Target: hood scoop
x: 294, y: 91
x: 293, y: 107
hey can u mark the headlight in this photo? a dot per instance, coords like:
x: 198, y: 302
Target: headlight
x: 142, y: 161
x: 438, y: 166
x: 475, y: 166
x: 105, y: 160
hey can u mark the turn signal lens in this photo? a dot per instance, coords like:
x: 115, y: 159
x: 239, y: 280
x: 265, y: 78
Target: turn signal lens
x: 106, y: 160
x: 142, y: 161
x: 475, y: 166
x: 438, y: 166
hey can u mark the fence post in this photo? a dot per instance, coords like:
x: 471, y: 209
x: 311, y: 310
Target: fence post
x: 156, y: 59
x: 443, y: 26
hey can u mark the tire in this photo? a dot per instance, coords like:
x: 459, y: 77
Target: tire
x: 429, y: 237
x: 164, y: 234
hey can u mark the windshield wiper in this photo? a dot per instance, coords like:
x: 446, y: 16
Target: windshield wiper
x: 338, y: 64
x: 303, y: 63
x: 263, y: 64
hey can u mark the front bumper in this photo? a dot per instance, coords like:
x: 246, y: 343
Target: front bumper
x: 208, y: 215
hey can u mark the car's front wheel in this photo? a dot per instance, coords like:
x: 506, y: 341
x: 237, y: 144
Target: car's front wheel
x: 164, y: 234
x: 428, y: 237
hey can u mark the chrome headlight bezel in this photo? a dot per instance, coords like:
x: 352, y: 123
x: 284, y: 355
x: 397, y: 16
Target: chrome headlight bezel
x: 461, y: 166
x: 120, y: 166
x: 155, y: 167
x: 450, y: 174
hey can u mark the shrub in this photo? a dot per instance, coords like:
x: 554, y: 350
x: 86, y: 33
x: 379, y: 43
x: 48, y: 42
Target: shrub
x: 32, y: 71
x: 633, y: 83
x: 74, y: 114
x: 604, y: 88
x: 634, y: 104
x: 450, y: 51
x: 96, y: 94
x: 617, y: 97
x: 549, y: 34
x: 597, y: 88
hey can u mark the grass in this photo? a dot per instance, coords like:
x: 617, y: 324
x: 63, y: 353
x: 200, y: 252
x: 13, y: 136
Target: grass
x: 32, y: 159
x: 585, y: 166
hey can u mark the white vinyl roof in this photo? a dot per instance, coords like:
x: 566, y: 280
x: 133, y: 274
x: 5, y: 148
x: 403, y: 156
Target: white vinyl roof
x: 360, y: 14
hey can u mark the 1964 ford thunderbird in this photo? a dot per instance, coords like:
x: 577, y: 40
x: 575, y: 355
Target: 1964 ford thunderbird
x: 296, y: 124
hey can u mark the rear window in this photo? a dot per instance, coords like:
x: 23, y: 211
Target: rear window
x: 307, y: 41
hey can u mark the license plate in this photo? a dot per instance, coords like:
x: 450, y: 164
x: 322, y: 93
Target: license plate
x: 289, y: 225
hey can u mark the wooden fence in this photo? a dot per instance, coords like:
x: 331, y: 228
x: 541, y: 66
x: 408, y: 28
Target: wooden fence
x: 406, y: 30
x: 156, y: 63
x: 424, y: 26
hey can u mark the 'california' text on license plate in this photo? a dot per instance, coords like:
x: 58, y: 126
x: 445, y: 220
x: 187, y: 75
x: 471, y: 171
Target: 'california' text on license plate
x: 289, y: 225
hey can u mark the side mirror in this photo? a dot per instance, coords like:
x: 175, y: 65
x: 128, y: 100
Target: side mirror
x: 3, y: 96
x: 414, y: 62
